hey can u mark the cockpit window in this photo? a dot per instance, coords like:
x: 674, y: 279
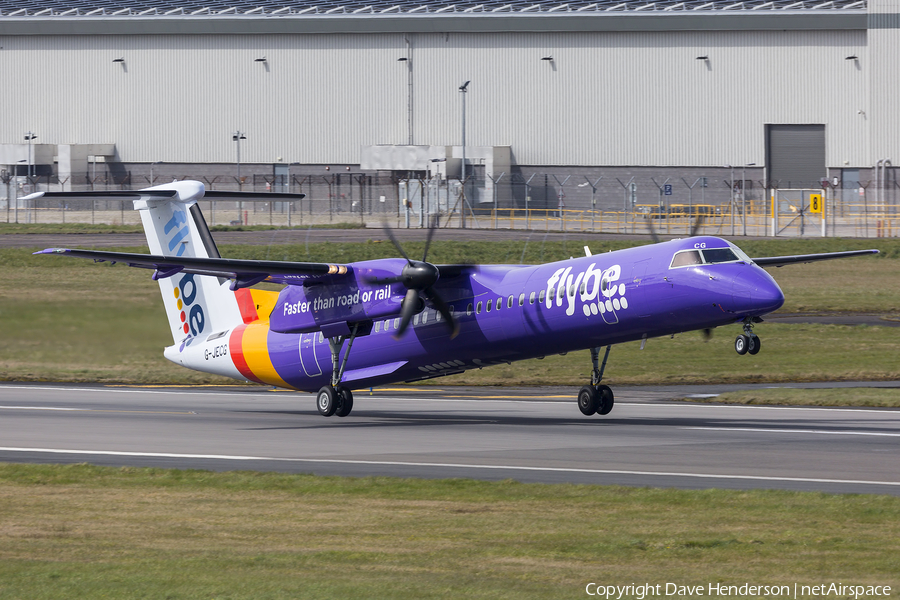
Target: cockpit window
x: 686, y: 258
x: 719, y: 255
x: 707, y: 256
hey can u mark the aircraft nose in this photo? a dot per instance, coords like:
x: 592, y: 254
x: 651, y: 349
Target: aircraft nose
x: 757, y: 293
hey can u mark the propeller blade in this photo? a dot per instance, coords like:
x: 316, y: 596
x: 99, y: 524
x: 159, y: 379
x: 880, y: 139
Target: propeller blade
x: 652, y: 229
x: 698, y: 222
x: 445, y: 311
x: 408, y: 308
x: 432, y: 226
x: 382, y: 280
x: 388, y: 232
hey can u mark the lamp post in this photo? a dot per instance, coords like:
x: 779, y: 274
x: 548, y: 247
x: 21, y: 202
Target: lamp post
x: 236, y: 137
x: 463, y: 89
x: 30, y: 136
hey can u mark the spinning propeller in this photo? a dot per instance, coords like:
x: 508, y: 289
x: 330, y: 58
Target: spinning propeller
x: 418, y: 276
x: 695, y: 228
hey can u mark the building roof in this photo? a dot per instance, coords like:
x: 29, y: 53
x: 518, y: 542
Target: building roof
x: 73, y: 9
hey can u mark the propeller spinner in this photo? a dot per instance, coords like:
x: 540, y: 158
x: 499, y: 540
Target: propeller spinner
x: 418, y: 276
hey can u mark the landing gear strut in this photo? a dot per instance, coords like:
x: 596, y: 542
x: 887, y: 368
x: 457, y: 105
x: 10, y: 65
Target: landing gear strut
x: 596, y: 398
x: 335, y: 399
x: 748, y: 342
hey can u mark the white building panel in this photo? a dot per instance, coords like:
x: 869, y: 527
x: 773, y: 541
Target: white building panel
x: 606, y: 98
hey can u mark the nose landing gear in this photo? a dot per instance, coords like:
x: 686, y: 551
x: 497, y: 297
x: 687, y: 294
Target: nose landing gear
x: 596, y: 398
x: 748, y: 342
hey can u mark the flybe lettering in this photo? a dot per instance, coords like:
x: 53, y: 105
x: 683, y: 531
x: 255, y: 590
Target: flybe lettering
x: 597, y: 289
x: 178, y: 219
x: 192, y: 317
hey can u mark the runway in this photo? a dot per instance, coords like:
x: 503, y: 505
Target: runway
x: 531, y: 435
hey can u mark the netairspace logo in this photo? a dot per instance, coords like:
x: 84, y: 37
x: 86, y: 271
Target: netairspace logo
x: 822, y: 590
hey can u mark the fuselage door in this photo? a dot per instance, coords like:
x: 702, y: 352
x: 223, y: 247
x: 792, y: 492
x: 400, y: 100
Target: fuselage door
x: 308, y: 359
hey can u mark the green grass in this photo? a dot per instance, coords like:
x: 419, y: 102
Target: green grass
x: 52, y: 228
x: 89, y: 532
x: 885, y: 398
x: 71, y: 320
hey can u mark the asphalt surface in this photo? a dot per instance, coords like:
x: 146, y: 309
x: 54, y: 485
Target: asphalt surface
x: 535, y: 435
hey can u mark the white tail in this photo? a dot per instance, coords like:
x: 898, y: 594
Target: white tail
x: 196, y: 305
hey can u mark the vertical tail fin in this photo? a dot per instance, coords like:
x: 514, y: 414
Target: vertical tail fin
x: 196, y: 305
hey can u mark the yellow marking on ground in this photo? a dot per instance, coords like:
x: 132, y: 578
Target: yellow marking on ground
x: 174, y: 385
x: 504, y: 397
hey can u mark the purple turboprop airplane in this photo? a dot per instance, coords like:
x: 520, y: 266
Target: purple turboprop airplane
x: 338, y: 327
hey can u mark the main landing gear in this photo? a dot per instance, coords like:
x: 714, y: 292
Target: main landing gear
x: 748, y: 342
x: 596, y: 398
x: 335, y: 399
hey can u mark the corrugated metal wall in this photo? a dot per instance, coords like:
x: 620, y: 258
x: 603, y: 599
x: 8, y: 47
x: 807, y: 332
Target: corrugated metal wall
x: 605, y: 99
x: 884, y: 79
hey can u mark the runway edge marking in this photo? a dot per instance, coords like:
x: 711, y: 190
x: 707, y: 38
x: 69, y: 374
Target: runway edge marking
x: 447, y: 465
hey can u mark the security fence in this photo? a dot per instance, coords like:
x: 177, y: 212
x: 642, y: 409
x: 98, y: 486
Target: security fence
x: 536, y: 201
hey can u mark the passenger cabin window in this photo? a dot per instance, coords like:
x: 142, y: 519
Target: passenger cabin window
x: 469, y: 310
x: 377, y: 326
x: 478, y: 308
x: 686, y: 258
x: 499, y: 303
x: 490, y: 305
x: 541, y: 296
x: 522, y: 299
x: 531, y: 298
x: 396, y: 323
x: 509, y: 302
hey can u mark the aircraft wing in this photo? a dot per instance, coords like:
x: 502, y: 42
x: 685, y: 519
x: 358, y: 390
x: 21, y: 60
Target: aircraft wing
x: 780, y: 261
x: 244, y: 273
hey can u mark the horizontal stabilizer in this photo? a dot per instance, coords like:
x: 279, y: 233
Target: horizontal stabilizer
x: 243, y: 271
x: 124, y: 194
x: 275, y: 196
x: 780, y: 261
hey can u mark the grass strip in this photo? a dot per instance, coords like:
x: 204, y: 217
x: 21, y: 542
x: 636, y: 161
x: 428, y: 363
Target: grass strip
x: 855, y: 396
x: 90, y: 532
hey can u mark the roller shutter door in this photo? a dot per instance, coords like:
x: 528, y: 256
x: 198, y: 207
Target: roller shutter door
x: 796, y: 155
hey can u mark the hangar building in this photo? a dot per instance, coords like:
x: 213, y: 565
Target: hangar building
x: 791, y: 91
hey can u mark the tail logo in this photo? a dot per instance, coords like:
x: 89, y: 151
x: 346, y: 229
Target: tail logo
x: 192, y: 318
x: 178, y: 222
